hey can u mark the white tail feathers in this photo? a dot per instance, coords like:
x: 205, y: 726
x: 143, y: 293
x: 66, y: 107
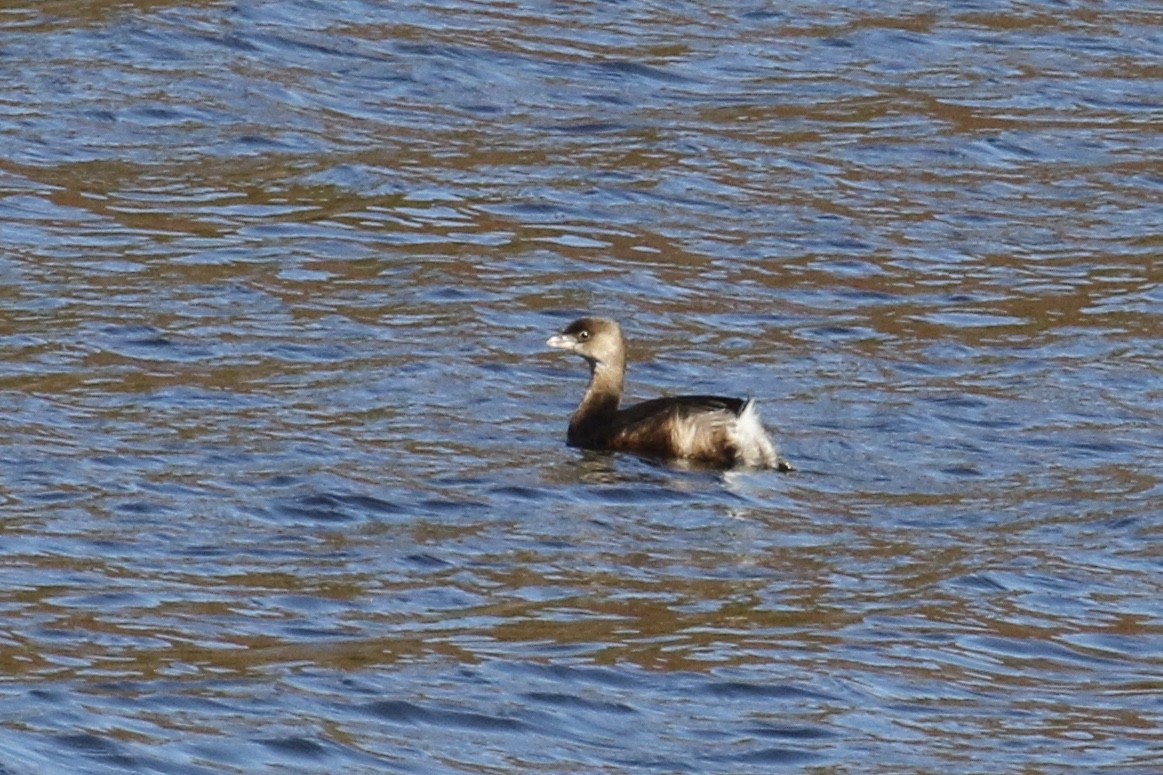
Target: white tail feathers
x: 752, y: 441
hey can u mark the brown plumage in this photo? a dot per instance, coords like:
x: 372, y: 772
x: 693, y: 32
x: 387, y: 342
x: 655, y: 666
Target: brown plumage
x: 709, y: 430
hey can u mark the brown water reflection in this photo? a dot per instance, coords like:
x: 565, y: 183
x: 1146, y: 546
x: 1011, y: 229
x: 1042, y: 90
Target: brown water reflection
x: 283, y: 480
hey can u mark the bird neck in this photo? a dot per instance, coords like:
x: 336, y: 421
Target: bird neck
x: 600, y: 402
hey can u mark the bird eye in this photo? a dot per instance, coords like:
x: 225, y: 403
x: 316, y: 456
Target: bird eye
x: 583, y: 335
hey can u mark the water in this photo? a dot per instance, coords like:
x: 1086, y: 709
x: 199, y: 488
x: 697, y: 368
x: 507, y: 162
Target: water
x: 283, y: 483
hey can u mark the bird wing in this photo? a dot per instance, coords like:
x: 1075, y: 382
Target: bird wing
x: 697, y: 427
x: 683, y: 407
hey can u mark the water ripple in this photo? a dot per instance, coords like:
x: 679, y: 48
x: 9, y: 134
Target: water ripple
x: 284, y: 481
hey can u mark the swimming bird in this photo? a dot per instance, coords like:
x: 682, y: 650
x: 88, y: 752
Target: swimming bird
x: 707, y: 430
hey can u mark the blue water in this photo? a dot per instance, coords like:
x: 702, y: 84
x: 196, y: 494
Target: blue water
x: 283, y: 483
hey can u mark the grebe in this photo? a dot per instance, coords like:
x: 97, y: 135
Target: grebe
x: 709, y: 430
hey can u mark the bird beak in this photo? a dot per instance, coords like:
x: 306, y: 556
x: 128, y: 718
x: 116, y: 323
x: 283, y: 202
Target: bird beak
x: 561, y: 342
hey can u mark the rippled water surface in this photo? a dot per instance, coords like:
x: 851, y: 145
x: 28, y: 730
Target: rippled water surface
x: 283, y: 481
